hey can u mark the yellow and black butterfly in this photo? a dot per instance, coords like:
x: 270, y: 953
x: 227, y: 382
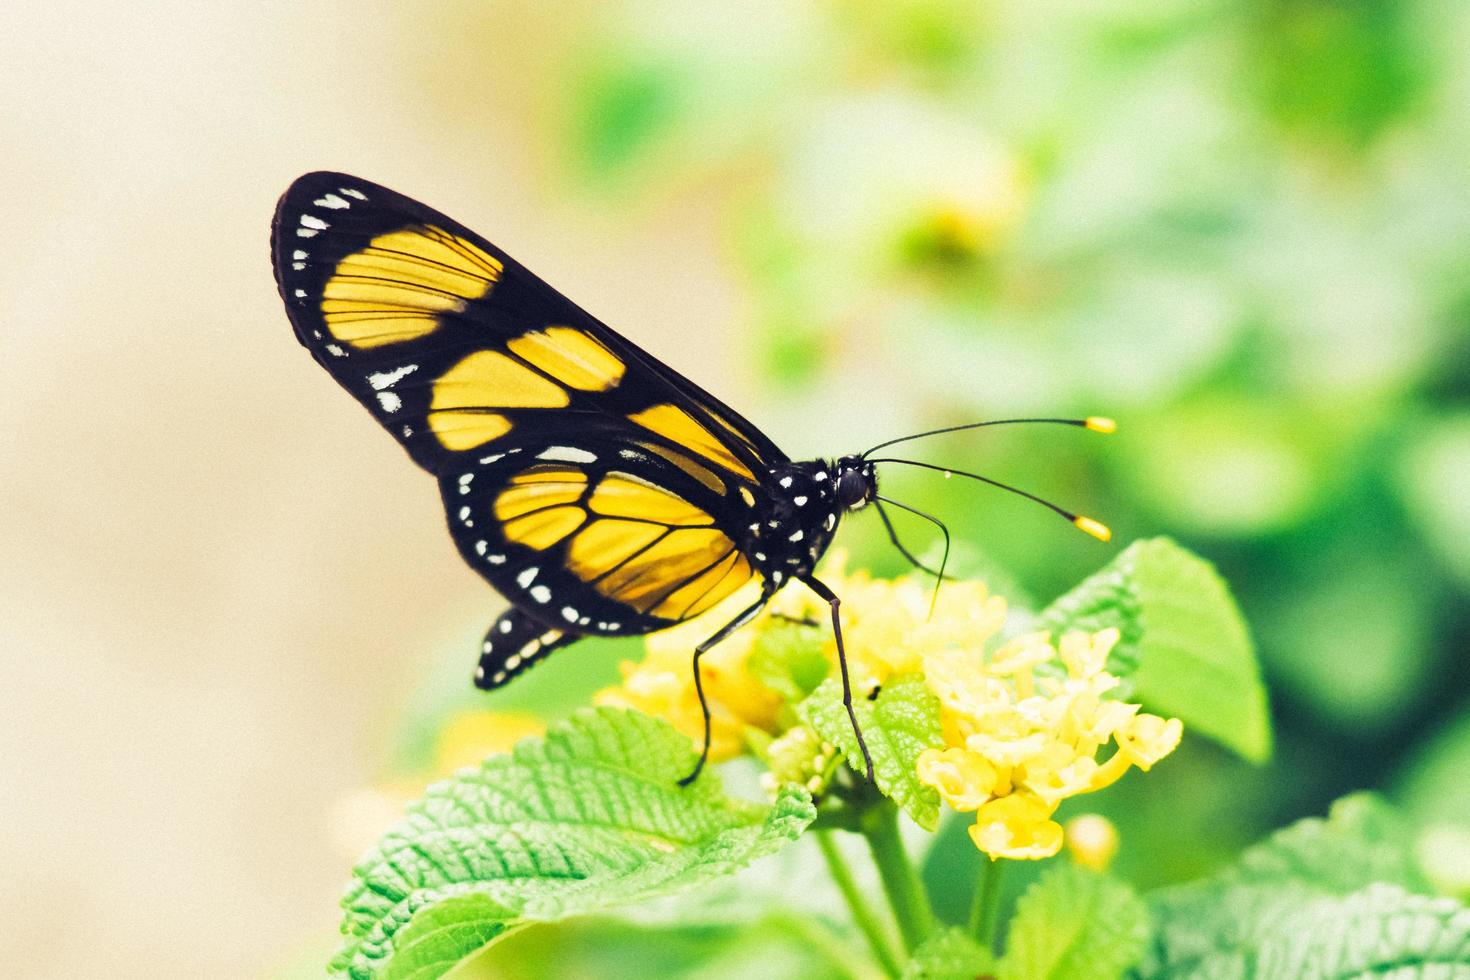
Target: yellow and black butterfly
x: 596, y: 488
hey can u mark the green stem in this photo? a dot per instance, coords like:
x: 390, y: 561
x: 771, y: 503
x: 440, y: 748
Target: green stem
x: 985, y: 903
x: 862, y: 913
x: 900, y: 880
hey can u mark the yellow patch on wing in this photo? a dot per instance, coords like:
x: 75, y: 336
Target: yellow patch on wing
x: 646, y: 579
x: 571, y: 356
x: 680, y: 428
x: 459, y: 430
x: 534, y: 490
x: 543, y: 528
x: 623, y: 495
x: 460, y: 409
x: 705, y: 590
x: 396, y: 288
x: 605, y: 544
x: 689, y: 466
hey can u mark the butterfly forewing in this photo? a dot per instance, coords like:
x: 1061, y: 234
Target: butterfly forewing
x: 596, y: 488
x: 453, y: 345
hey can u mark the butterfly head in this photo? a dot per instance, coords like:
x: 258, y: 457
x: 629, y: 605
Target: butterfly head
x: 855, y: 483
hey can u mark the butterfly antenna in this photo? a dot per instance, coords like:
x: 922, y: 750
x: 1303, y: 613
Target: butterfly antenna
x: 1096, y: 423
x: 943, y: 562
x: 1097, y: 529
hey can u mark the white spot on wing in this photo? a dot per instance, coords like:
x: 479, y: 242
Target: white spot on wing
x: 527, y: 576
x: 799, y: 501
x: 330, y: 201
x: 353, y: 192
x: 387, y: 379
x: 312, y: 221
x: 795, y: 536
x: 390, y: 401
x: 540, y: 593
x: 567, y: 454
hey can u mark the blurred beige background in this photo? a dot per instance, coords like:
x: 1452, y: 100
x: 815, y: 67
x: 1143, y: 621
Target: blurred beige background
x: 215, y: 572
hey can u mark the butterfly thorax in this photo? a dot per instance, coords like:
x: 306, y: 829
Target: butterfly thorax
x: 790, y: 530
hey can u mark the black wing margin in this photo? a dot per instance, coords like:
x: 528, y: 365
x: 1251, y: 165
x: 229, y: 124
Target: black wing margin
x: 454, y: 346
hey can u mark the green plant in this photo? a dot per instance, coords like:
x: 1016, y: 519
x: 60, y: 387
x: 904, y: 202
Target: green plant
x: 970, y: 707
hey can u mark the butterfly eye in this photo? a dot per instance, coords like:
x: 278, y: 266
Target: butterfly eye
x: 852, y: 488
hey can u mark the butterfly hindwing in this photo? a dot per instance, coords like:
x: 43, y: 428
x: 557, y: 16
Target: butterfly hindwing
x: 598, y: 535
x: 514, y: 643
x: 454, y: 346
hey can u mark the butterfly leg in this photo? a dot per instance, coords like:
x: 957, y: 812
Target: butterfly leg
x: 700, y: 651
x: 515, y: 642
x: 830, y: 597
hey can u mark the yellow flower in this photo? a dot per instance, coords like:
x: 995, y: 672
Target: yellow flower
x: 1016, y: 826
x: 662, y: 684
x: 1092, y: 840
x: 886, y: 626
x: 964, y: 779
x: 1023, y: 729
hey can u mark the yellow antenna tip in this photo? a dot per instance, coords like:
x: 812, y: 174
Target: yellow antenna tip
x: 1101, y: 423
x: 1097, y: 529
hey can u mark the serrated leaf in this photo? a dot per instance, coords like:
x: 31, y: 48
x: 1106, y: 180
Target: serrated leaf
x: 1075, y: 924
x: 1184, y: 647
x: 586, y: 818
x: 1284, y: 909
x: 899, y: 725
x: 949, y: 955
x: 1271, y: 933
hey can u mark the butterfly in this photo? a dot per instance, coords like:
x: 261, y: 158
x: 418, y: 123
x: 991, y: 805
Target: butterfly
x: 597, y: 489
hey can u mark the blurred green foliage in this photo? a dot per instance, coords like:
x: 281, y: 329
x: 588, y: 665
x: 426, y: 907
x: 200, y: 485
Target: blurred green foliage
x: 1242, y: 227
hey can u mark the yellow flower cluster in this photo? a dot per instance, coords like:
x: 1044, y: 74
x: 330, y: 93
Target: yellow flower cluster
x: 1023, y: 726
x: 887, y: 628
x: 1019, y: 741
x: 662, y: 684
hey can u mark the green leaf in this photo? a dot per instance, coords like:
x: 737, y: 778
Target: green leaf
x: 1275, y: 933
x: 789, y: 659
x: 1322, y: 898
x: 1363, y: 840
x: 587, y: 818
x: 1183, y: 643
x: 1075, y: 924
x: 440, y: 936
x: 899, y: 725
x: 949, y: 955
